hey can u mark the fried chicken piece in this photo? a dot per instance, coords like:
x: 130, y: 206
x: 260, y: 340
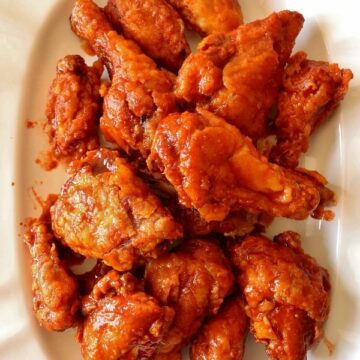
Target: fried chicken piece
x: 223, y: 335
x: 106, y: 212
x: 194, y: 280
x: 140, y: 93
x: 312, y: 90
x: 73, y: 108
x: 121, y: 321
x: 286, y: 291
x: 209, y: 16
x: 155, y: 26
x: 56, y: 299
x: 217, y: 170
x: 237, y: 75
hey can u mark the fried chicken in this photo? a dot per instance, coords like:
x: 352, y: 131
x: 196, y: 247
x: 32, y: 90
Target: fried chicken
x: 194, y: 280
x: 121, y: 321
x: 223, y: 335
x: 106, y: 212
x: 287, y: 293
x: 217, y: 170
x: 312, y: 90
x: 140, y: 93
x: 209, y: 16
x: 73, y: 108
x: 155, y: 26
x: 237, y: 75
x: 56, y: 299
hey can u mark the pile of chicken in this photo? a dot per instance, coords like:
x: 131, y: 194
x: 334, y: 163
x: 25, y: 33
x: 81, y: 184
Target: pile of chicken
x: 174, y: 211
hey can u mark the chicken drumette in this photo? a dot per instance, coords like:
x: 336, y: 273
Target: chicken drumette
x: 73, y: 108
x: 237, y: 75
x: 121, y: 320
x: 287, y: 293
x: 107, y: 212
x: 223, y: 335
x: 155, y: 26
x: 312, y: 90
x: 140, y: 93
x: 194, y: 280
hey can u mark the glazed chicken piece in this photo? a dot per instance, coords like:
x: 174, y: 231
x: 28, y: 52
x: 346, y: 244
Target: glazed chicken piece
x: 287, y: 293
x: 121, y: 320
x: 209, y: 16
x: 73, y: 108
x: 56, y: 299
x: 311, y: 92
x: 140, y: 93
x: 155, y: 26
x: 237, y: 75
x: 217, y: 170
x: 223, y: 335
x: 194, y: 280
x: 106, y: 212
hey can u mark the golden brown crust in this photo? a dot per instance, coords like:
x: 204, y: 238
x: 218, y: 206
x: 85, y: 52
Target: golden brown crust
x: 286, y: 292
x: 155, y: 26
x: 121, y: 321
x: 105, y: 211
x: 237, y: 75
x: 194, y: 280
x: 209, y: 16
x: 223, y: 335
x: 73, y: 108
x: 312, y: 90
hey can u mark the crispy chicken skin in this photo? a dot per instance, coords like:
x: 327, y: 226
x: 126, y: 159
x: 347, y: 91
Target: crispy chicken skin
x: 73, y: 108
x: 140, y: 93
x: 311, y: 92
x: 216, y: 170
x: 223, y: 335
x: 121, y: 321
x: 105, y: 211
x: 287, y: 293
x: 237, y: 75
x: 155, y: 26
x: 194, y: 280
x: 56, y: 299
x: 209, y: 16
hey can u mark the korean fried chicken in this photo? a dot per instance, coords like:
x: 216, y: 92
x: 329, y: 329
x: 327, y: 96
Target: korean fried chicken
x: 56, y: 300
x: 223, y: 335
x: 155, y: 26
x: 121, y: 320
x: 194, y: 280
x: 73, y: 108
x: 105, y: 211
x: 140, y: 93
x: 237, y: 75
x: 209, y: 16
x: 287, y: 293
x: 217, y: 170
x: 312, y: 90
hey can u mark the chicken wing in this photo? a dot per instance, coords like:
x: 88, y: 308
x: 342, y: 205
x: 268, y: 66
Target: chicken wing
x: 223, y: 336
x: 194, y: 280
x: 105, y: 211
x: 209, y: 16
x: 155, y: 26
x: 121, y: 321
x: 217, y: 170
x: 73, y: 107
x: 140, y: 93
x: 56, y: 299
x: 311, y: 92
x: 287, y: 293
x: 237, y: 75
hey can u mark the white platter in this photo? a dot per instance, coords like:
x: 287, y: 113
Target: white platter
x: 35, y: 34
